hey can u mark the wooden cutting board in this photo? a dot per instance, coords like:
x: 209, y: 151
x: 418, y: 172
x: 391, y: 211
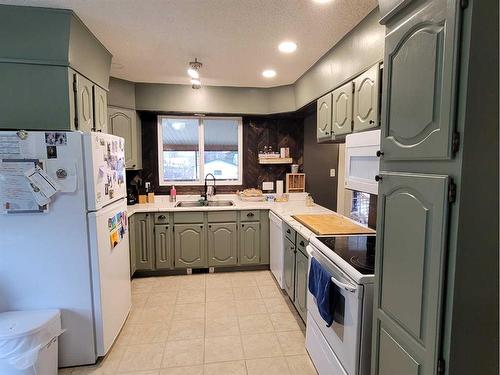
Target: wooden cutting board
x: 331, y: 224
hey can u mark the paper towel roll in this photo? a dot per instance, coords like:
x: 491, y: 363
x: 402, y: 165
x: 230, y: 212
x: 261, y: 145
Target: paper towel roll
x: 279, y: 187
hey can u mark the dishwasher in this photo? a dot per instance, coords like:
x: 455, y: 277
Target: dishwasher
x: 276, y: 248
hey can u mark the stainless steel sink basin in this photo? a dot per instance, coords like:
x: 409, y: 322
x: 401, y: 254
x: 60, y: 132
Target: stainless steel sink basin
x: 204, y: 203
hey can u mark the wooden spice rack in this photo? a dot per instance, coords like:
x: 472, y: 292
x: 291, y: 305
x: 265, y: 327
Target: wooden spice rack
x: 295, y: 182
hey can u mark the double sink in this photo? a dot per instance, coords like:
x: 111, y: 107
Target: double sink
x: 203, y: 203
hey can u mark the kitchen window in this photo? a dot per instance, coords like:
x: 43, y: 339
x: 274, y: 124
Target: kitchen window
x: 191, y: 147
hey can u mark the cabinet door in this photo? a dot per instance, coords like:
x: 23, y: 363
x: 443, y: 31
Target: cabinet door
x: 144, y: 242
x: 420, y: 67
x: 324, y: 117
x: 250, y: 243
x: 189, y: 246
x: 410, y: 265
x: 122, y: 122
x: 84, y: 103
x: 100, y: 110
x: 289, y: 268
x: 222, y: 244
x: 300, y: 293
x: 163, y: 246
x: 132, y: 244
x: 366, y: 97
x: 342, y: 109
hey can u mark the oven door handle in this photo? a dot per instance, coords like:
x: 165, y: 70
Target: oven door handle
x: 345, y: 286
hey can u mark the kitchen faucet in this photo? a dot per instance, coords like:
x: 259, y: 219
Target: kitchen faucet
x: 206, y: 193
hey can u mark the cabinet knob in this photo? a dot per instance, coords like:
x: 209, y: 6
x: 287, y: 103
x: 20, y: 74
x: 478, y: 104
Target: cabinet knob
x: 242, y: 225
x: 162, y: 217
x: 166, y: 227
x: 250, y: 214
x: 133, y: 165
x: 288, y: 231
x: 372, y: 122
x: 210, y: 226
x: 201, y: 226
x: 302, y: 243
x: 379, y: 153
x: 378, y: 178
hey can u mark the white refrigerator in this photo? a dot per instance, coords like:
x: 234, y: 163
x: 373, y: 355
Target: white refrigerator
x: 73, y: 253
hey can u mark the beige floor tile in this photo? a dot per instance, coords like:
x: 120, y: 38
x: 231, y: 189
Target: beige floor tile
x: 223, y: 349
x: 189, y: 311
x: 284, y: 322
x: 243, y: 281
x: 64, y: 371
x: 300, y: 365
x: 226, y: 368
x: 164, y: 298
x: 186, y: 329
x: 152, y: 372
x: 139, y: 287
x: 150, y: 333
x: 270, y: 292
x: 183, y: 353
x: 191, y: 295
x: 166, y: 284
x: 250, y: 307
x: 255, y: 324
x: 151, y: 315
x: 218, y: 281
x: 139, y: 299
x: 261, y: 345
x: 251, y: 292
x: 223, y: 326
x: 185, y: 370
x: 220, y: 309
x: 191, y: 282
x: 292, y: 342
x: 219, y: 294
x: 267, y: 366
x: 276, y: 305
x: 141, y: 357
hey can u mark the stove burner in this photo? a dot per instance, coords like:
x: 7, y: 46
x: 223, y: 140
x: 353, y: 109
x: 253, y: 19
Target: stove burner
x: 367, y: 263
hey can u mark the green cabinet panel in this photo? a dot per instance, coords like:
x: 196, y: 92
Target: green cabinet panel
x: 410, y: 264
x: 189, y: 244
x: 100, y: 109
x: 264, y: 237
x: 420, y: 67
x: 366, y: 98
x: 132, y: 243
x: 324, y: 117
x: 163, y: 246
x: 144, y: 253
x: 342, y: 109
x: 289, y: 268
x: 300, y: 292
x: 123, y: 123
x: 222, y: 244
x: 250, y: 243
x: 394, y: 359
x: 84, y: 104
x: 250, y: 215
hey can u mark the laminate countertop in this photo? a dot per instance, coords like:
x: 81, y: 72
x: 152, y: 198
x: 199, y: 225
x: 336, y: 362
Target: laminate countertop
x: 295, y: 206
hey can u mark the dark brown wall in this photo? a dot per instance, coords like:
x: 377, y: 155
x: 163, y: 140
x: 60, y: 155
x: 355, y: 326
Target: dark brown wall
x: 258, y: 131
x: 318, y: 160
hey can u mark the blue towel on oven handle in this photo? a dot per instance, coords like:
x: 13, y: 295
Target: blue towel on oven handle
x: 321, y: 287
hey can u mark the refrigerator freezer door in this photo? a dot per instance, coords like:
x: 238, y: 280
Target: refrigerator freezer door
x: 105, y: 169
x: 109, y: 253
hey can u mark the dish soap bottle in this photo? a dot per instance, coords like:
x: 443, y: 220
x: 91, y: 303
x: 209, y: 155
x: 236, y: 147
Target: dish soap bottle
x: 173, y: 194
x: 309, y: 201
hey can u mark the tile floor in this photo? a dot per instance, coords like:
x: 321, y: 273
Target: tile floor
x: 236, y: 323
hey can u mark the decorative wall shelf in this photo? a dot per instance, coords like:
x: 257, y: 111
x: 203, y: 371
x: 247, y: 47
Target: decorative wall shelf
x: 275, y: 160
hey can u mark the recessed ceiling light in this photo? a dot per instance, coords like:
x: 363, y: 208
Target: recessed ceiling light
x: 193, y: 73
x: 269, y: 73
x: 287, y: 47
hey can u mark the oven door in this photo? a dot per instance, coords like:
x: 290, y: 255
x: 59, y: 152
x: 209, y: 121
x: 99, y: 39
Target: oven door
x: 344, y: 334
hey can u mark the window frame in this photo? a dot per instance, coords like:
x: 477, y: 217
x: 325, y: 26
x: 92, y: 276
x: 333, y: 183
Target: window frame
x: 201, y: 150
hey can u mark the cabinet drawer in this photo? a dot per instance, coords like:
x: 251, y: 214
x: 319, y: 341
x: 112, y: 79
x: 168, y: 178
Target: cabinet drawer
x: 250, y: 215
x: 188, y: 217
x: 301, y: 244
x: 289, y: 232
x: 222, y: 216
x: 162, y: 218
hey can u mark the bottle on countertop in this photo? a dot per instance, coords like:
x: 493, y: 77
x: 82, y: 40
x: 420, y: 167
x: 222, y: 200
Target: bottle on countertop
x: 309, y: 201
x: 173, y: 194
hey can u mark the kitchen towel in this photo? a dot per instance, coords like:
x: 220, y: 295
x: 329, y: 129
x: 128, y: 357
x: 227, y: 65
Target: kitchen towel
x: 321, y: 287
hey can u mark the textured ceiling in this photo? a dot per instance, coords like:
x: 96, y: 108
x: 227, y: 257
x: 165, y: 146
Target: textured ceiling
x: 153, y: 40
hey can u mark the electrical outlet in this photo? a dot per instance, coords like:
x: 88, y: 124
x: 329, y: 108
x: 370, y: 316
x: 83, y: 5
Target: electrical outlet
x: 268, y: 185
x: 332, y: 172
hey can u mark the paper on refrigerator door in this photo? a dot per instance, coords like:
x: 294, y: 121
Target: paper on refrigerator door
x: 43, y: 186
x: 14, y: 145
x: 15, y: 189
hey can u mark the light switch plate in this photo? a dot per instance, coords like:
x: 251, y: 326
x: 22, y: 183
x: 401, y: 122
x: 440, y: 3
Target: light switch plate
x: 332, y: 172
x: 268, y: 185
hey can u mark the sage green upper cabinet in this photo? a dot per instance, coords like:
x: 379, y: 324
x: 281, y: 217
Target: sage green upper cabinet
x: 100, y: 109
x: 324, y: 117
x: 222, y: 244
x: 420, y: 66
x: 342, y: 109
x: 410, y: 264
x: 124, y: 123
x: 250, y: 243
x: 366, y: 98
x: 300, y: 292
x: 144, y: 242
x: 289, y: 268
x: 190, y: 249
x: 84, y: 104
x: 163, y: 246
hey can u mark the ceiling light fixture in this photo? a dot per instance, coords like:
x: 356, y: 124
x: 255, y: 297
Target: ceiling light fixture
x: 195, y: 83
x: 287, y: 47
x: 194, y: 73
x: 269, y: 73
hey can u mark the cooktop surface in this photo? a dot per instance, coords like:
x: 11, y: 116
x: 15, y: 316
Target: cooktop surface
x: 358, y: 251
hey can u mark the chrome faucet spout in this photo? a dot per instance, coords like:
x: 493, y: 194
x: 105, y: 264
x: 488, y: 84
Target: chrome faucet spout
x: 205, y: 194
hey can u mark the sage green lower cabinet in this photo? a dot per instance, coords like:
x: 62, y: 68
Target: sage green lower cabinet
x: 163, y: 246
x: 300, y: 292
x: 250, y: 243
x: 289, y: 268
x: 144, y: 242
x: 190, y: 246
x: 132, y: 243
x: 222, y: 244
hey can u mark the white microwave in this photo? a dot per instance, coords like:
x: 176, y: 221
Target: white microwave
x: 361, y: 161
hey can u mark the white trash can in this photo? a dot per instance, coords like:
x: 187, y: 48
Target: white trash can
x: 28, y: 342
